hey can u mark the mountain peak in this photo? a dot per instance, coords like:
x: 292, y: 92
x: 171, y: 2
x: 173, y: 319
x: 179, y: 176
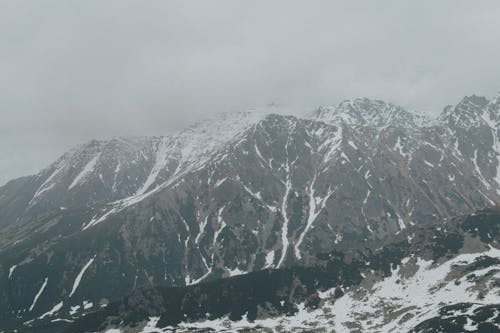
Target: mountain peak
x: 495, y: 102
x: 365, y: 103
x: 467, y: 113
x: 473, y: 101
x: 368, y: 112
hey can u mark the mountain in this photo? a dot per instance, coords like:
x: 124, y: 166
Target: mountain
x: 366, y: 112
x: 240, y: 193
x: 434, y: 277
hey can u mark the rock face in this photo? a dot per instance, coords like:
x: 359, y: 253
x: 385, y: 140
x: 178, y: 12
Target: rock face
x: 239, y: 193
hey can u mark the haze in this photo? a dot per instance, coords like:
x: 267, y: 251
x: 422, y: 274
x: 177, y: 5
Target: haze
x: 71, y: 71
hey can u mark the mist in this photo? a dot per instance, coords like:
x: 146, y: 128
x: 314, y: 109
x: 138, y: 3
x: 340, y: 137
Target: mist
x: 73, y: 71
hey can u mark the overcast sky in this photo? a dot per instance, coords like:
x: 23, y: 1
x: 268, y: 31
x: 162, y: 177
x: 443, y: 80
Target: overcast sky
x: 75, y: 70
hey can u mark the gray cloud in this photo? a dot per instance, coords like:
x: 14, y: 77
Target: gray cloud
x: 71, y: 71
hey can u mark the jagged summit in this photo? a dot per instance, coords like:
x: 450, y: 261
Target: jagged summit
x: 468, y: 112
x: 496, y: 99
x: 472, y: 111
x: 494, y: 109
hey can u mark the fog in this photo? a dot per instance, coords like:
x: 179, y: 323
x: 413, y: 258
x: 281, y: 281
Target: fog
x: 71, y: 71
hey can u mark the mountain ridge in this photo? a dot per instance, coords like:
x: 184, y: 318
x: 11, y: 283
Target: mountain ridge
x: 246, y: 193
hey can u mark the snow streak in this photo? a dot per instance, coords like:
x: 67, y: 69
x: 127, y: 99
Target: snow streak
x: 37, y: 296
x: 80, y: 275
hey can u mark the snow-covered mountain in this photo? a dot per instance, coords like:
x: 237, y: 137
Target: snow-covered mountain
x: 235, y: 194
x: 366, y: 112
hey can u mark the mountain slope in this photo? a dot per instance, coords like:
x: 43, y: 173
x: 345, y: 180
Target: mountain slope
x: 418, y: 281
x: 241, y: 193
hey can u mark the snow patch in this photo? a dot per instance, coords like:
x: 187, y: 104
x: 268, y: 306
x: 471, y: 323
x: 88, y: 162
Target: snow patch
x: 39, y: 293
x: 50, y: 313
x: 236, y: 271
x: 316, y: 205
x: 160, y: 163
x: 46, y: 184
x: 74, y: 309
x: 373, y: 309
x: 87, y: 305
x: 150, y: 326
x: 269, y: 259
x: 86, y: 171
x: 202, y: 230
x: 80, y: 275
x: 11, y: 271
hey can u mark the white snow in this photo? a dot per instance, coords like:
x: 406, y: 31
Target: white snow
x: 284, y: 204
x: 486, y: 197
x: 202, y: 230
x: 186, y: 241
x: 221, y: 223
x: 80, y: 275
x: 160, y: 162
x: 87, y: 305
x: 117, y: 170
x: 117, y: 206
x: 61, y: 319
x: 74, y: 309
x: 236, y: 271
x: 365, y: 201
x: 259, y: 154
x: 189, y: 282
x: 150, y: 326
x: 478, y: 171
x: 344, y: 157
x: 374, y: 309
x: 316, y: 205
x: 425, y: 290
x: 269, y: 259
x: 85, y: 172
x: 258, y: 196
x: 39, y: 293
x: 496, y: 149
x: 338, y: 238
x: 456, y: 150
x: 429, y: 163
x: 401, y: 223
x: 352, y: 144
x: 40, y: 192
x: 331, y: 145
x: 399, y: 147
x: 191, y: 148
x: 220, y: 182
x: 11, y: 271
x: 470, y: 326
x: 51, y: 312
x: 46, y: 184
